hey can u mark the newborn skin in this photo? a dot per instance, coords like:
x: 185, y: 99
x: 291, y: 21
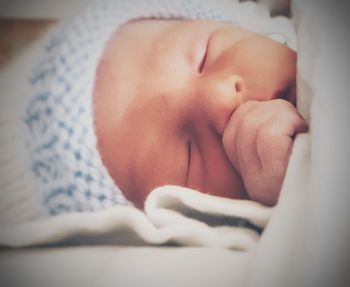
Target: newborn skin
x: 196, y: 103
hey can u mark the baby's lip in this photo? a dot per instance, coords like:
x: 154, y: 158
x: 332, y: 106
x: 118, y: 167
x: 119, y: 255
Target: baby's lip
x: 293, y: 94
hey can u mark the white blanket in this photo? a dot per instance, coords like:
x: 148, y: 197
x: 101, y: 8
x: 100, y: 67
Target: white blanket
x: 172, y: 214
x: 306, y: 242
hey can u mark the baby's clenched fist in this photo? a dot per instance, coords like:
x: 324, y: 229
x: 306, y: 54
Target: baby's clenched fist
x: 258, y: 139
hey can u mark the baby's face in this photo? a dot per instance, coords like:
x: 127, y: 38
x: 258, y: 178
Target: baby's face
x: 164, y: 92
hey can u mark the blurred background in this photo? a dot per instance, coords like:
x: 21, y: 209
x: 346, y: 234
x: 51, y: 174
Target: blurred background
x: 24, y: 21
x: 38, y: 9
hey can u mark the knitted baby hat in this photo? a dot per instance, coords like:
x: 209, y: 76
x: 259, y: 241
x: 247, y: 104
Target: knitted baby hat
x: 66, y: 166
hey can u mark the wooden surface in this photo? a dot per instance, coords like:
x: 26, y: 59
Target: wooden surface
x: 16, y: 35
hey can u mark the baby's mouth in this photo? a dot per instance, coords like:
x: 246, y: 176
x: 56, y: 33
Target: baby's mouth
x: 288, y: 94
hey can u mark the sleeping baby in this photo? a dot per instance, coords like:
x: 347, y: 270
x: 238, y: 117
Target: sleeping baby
x: 131, y: 96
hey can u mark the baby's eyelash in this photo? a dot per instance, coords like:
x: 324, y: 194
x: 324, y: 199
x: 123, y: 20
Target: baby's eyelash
x: 203, y: 60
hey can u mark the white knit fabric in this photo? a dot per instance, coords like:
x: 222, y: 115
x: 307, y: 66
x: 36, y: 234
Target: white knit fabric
x: 58, y: 118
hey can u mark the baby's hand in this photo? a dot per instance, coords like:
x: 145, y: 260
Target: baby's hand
x: 258, y: 140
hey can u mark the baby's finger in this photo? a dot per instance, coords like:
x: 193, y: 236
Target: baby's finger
x: 229, y: 138
x: 247, y: 133
x: 285, y: 122
x: 300, y: 125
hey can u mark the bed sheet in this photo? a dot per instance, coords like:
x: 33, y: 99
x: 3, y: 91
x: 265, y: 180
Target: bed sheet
x: 123, y: 266
x: 306, y: 242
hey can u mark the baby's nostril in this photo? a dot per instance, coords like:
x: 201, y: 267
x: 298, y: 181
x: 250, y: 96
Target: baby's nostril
x: 238, y: 86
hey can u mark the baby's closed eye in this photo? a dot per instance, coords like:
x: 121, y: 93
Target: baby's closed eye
x: 203, y: 58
